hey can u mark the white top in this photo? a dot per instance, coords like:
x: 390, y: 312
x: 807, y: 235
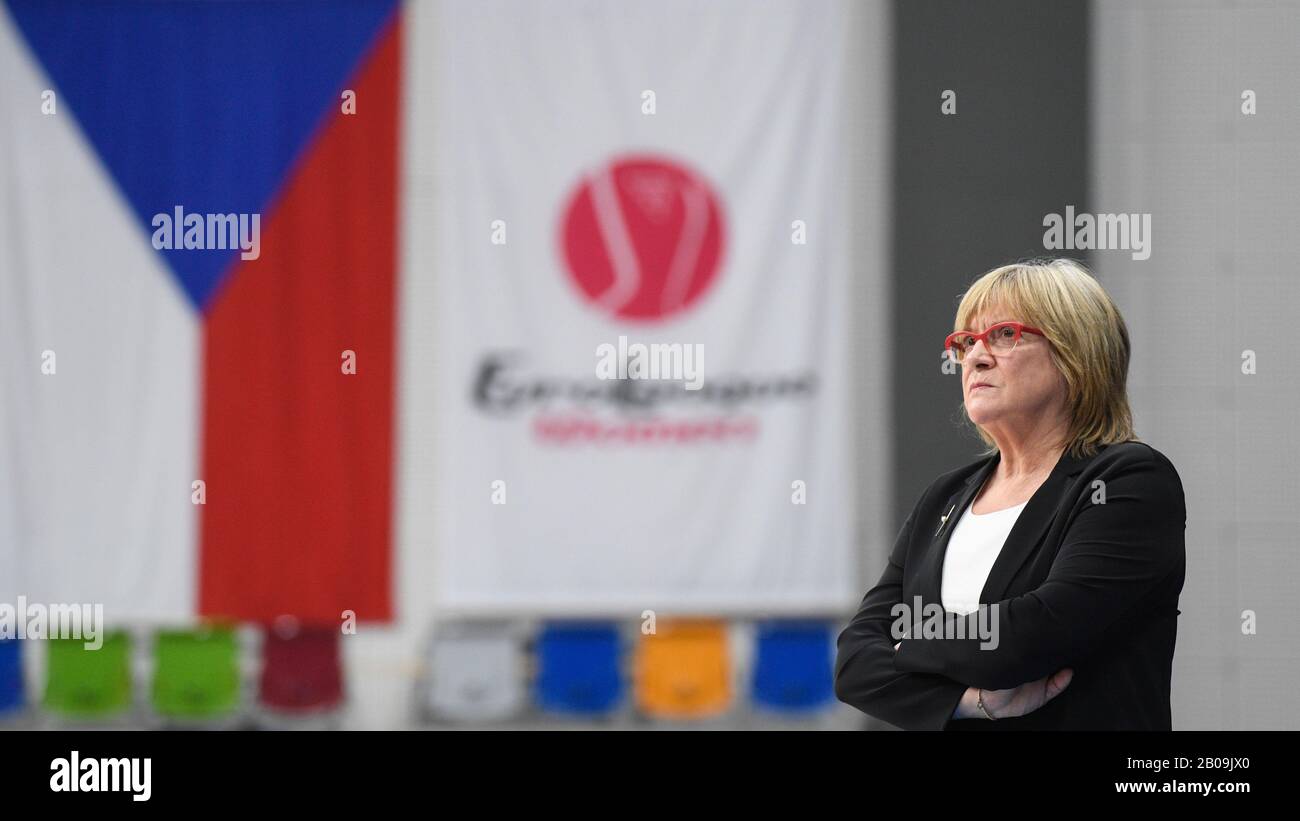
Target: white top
x: 975, y: 544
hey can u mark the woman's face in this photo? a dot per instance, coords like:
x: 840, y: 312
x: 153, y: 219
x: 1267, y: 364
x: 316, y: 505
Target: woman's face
x: 1025, y: 394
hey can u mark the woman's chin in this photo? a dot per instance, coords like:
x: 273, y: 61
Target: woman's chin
x: 980, y: 413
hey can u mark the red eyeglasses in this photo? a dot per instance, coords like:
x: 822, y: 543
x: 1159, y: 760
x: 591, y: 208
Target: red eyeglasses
x: 1000, y: 339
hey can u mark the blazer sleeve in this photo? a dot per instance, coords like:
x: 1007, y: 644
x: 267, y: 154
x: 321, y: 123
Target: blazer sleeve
x: 1113, y: 558
x: 864, y: 662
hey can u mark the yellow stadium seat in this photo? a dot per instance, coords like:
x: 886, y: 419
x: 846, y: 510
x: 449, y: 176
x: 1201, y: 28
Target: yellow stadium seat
x: 683, y: 670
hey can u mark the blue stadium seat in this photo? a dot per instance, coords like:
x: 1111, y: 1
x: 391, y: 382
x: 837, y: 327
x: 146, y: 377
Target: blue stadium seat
x: 11, y: 675
x: 793, y: 667
x: 578, y: 669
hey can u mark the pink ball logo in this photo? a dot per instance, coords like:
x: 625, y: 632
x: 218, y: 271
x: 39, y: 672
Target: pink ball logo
x: 643, y: 237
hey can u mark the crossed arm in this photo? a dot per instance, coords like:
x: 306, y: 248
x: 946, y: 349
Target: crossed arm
x: 865, y: 676
x: 1115, y: 555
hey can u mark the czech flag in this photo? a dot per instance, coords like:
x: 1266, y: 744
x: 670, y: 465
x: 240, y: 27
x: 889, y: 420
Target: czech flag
x: 198, y: 237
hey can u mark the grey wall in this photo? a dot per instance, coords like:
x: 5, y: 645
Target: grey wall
x: 1170, y: 139
x: 970, y: 190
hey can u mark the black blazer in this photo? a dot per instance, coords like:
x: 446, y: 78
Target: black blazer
x: 1085, y: 581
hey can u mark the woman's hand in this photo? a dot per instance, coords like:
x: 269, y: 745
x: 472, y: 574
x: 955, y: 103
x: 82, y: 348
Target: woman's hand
x: 1014, y: 702
x: 1024, y: 699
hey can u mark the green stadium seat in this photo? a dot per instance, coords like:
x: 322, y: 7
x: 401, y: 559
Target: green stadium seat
x: 88, y: 684
x: 196, y: 673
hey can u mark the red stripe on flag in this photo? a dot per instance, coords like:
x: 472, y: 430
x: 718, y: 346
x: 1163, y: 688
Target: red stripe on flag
x: 297, y: 456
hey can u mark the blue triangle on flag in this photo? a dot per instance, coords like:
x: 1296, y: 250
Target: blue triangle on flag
x: 200, y: 105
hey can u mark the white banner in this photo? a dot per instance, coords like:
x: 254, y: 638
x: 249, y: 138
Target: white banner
x: 648, y: 191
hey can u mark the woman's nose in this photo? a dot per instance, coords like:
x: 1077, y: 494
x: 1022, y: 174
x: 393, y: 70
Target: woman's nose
x: 979, y: 351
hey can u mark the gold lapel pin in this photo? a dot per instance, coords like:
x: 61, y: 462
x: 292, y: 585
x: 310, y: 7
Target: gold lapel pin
x: 943, y: 520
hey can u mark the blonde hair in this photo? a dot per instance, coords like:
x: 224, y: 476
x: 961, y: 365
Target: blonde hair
x: 1089, y: 343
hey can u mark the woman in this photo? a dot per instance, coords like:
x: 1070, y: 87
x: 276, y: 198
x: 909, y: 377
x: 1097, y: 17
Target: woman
x: 1036, y: 588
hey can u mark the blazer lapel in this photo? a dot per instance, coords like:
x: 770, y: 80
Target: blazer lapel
x: 942, y: 529
x: 1030, y: 527
x: 1024, y: 537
